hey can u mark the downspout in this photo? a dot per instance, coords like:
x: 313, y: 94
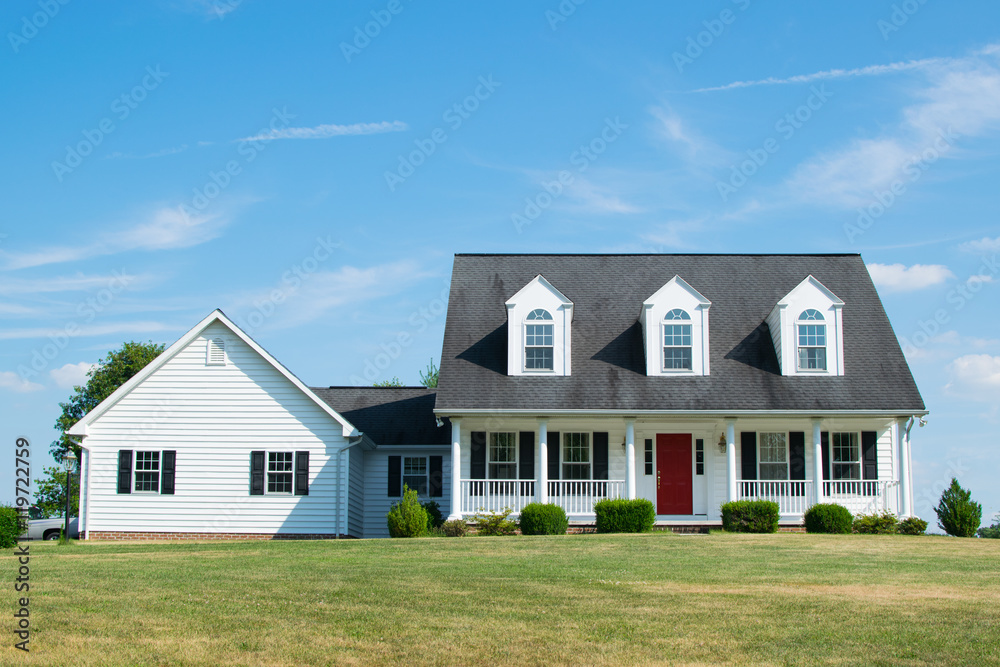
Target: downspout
x: 351, y: 442
x: 82, y: 525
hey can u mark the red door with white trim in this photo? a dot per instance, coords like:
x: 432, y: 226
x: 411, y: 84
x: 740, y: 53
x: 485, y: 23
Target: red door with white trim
x: 673, y: 474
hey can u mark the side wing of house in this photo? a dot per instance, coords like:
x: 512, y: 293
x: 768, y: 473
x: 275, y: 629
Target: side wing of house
x: 218, y: 441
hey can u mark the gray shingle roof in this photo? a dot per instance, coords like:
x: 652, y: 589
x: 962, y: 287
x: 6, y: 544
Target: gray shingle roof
x: 608, y: 366
x: 389, y: 415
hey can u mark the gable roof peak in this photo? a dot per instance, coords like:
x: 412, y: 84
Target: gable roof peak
x: 538, y: 280
x: 810, y: 281
x: 676, y: 283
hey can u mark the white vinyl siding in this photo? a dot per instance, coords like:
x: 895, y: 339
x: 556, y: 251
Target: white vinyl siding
x: 356, y: 487
x: 376, y: 484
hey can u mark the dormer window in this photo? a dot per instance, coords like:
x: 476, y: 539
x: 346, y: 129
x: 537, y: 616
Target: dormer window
x: 677, y: 341
x: 216, y: 351
x: 812, y: 341
x: 538, y: 343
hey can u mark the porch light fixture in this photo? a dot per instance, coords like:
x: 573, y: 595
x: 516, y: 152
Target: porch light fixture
x: 722, y: 443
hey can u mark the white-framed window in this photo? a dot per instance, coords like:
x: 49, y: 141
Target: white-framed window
x: 699, y: 457
x: 648, y: 458
x: 147, y: 472
x: 216, y: 355
x: 538, y: 341
x: 280, y: 478
x: 845, y: 455
x: 415, y: 474
x: 811, y: 328
x: 677, y: 341
x: 503, y: 456
x: 576, y: 455
x: 772, y: 454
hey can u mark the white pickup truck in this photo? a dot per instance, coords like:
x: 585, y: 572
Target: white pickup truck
x: 48, y: 529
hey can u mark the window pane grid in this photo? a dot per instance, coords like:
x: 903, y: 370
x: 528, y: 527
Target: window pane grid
x: 415, y: 473
x: 503, y: 456
x: 538, y: 343
x: 846, y: 456
x: 773, y: 455
x: 576, y: 456
x: 649, y: 456
x: 279, y: 472
x: 147, y: 471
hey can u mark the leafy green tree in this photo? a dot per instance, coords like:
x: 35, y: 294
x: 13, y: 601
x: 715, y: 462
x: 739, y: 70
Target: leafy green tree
x: 430, y: 379
x: 957, y: 514
x: 394, y: 382
x: 50, y: 494
x: 993, y: 531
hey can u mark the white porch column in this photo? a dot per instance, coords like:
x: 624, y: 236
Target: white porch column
x: 730, y: 460
x: 903, y: 439
x: 817, y: 462
x: 542, y: 466
x: 456, y: 469
x: 630, y: 459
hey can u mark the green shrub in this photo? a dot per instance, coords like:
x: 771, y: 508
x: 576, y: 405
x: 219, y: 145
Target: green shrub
x: 455, y: 528
x: 750, y: 516
x: 913, y: 525
x: 407, y: 518
x: 876, y: 524
x: 991, y: 532
x: 547, y: 519
x: 957, y: 514
x: 494, y: 523
x: 434, y: 516
x: 828, y: 518
x: 617, y: 515
x: 12, y: 526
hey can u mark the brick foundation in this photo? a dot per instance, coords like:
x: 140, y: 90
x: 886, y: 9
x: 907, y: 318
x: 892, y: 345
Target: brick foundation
x: 145, y: 536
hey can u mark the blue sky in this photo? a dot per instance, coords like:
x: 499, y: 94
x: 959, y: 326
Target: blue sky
x: 311, y: 168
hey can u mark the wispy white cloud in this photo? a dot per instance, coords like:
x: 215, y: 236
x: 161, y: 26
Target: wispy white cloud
x: 982, y: 246
x: 78, y: 283
x: 691, y: 145
x: 328, y: 131
x: 85, y: 331
x: 668, y: 235
x: 71, y: 375
x: 871, y: 70
x: 591, y: 198
x: 975, y: 376
x: 14, y: 382
x: 901, y: 278
x: 160, y: 153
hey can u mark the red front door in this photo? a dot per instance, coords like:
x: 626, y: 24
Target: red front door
x: 673, y: 473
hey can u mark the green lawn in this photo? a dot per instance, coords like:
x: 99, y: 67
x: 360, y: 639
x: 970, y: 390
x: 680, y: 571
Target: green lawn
x: 581, y: 599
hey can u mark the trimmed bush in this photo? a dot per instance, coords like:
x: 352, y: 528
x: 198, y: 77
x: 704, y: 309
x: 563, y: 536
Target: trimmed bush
x: 750, y: 516
x: 407, y: 518
x: 543, y: 519
x: 455, y: 528
x: 957, y: 514
x: 876, y: 524
x: 434, y: 516
x: 829, y: 518
x: 913, y: 525
x: 617, y: 515
x: 495, y: 523
x: 12, y: 525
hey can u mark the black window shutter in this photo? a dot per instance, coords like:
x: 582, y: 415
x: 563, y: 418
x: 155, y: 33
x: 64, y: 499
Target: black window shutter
x: 869, y: 454
x: 395, y: 476
x: 302, y: 473
x: 824, y: 444
x: 477, y: 455
x: 526, y: 466
x: 748, y: 452
x: 600, y: 456
x: 797, y: 455
x: 553, y: 455
x: 257, y: 473
x: 124, y: 471
x: 167, y: 474
x: 435, y: 466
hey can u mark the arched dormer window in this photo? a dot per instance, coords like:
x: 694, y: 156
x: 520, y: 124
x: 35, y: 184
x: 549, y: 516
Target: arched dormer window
x: 677, y: 341
x: 811, y: 340
x: 538, y: 341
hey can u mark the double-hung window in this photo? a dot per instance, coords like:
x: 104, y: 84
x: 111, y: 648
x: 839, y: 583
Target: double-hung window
x: 576, y: 455
x: 415, y: 473
x: 538, y: 343
x: 147, y: 472
x: 503, y: 456
x: 279, y: 472
x: 811, y: 341
x: 846, y: 462
x: 773, y: 453
x: 677, y: 341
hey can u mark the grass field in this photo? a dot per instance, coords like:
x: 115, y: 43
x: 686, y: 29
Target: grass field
x: 580, y: 599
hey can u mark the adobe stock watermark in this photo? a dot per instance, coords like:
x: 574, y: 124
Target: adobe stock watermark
x: 913, y: 169
x: 561, y: 13
x: 454, y: 116
x: 30, y: 25
x: 581, y: 158
x: 363, y: 35
x: 714, y: 28
x: 86, y: 311
x: 121, y: 108
x: 786, y: 127
x: 899, y: 16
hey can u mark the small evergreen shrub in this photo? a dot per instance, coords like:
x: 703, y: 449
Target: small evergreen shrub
x: 876, y: 524
x: 913, y: 525
x: 617, y: 515
x: 12, y: 526
x: 455, y: 528
x: 957, y: 514
x: 750, y: 516
x: 434, y: 516
x: 495, y: 523
x: 407, y: 518
x: 828, y: 518
x: 543, y: 519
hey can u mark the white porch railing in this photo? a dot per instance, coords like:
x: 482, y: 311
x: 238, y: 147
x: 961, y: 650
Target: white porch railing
x: 793, y: 497
x: 576, y: 497
x: 863, y: 497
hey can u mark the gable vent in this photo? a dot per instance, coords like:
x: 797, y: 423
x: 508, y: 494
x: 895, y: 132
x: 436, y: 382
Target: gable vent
x: 216, y: 351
